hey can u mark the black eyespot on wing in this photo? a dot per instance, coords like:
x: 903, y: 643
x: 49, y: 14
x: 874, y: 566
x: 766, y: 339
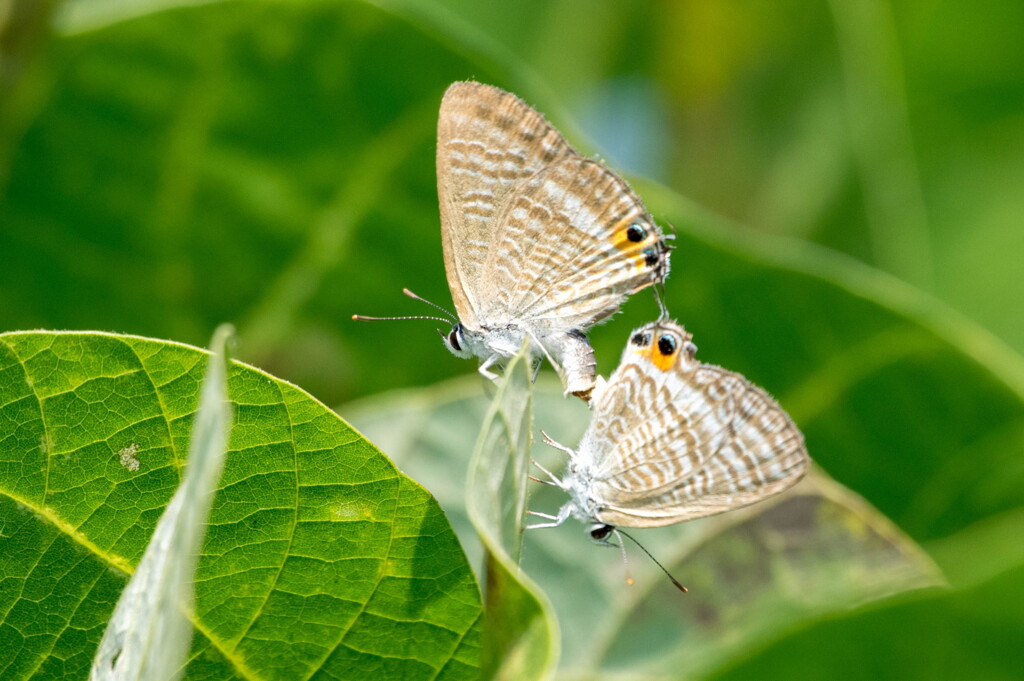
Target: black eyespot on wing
x: 667, y: 344
x: 641, y: 339
x: 600, y: 532
x: 650, y: 257
x: 636, y: 233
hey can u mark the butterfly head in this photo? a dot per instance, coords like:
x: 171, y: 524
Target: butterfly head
x: 455, y: 341
x: 662, y: 343
x: 599, y: 533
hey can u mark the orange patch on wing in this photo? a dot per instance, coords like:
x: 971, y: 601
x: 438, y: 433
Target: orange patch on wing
x: 662, y: 362
x: 634, y: 249
x: 652, y: 354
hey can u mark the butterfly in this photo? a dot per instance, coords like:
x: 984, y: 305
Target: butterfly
x: 671, y: 439
x: 540, y: 243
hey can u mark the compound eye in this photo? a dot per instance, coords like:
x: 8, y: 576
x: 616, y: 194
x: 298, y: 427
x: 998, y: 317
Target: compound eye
x: 453, y: 339
x: 600, y: 532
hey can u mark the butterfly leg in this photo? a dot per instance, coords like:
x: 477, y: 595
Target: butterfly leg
x: 551, y: 443
x: 536, y: 370
x: 554, y: 479
x: 485, y: 368
x: 556, y: 520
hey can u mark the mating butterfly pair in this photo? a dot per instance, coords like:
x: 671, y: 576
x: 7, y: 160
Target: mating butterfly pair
x: 540, y: 244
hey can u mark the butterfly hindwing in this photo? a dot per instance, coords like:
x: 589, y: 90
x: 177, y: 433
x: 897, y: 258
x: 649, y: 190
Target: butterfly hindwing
x: 564, y: 257
x: 685, y: 440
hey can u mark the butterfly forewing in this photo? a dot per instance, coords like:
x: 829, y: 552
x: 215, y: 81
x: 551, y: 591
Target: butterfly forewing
x: 539, y: 242
x: 488, y: 143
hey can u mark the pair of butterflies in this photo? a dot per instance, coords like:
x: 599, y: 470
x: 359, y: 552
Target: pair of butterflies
x: 540, y: 244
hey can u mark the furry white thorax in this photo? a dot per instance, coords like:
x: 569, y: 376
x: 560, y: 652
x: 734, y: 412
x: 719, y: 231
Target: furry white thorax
x: 578, y: 479
x: 568, y: 352
x: 503, y: 342
x: 487, y: 345
x: 577, y: 484
x: 490, y: 346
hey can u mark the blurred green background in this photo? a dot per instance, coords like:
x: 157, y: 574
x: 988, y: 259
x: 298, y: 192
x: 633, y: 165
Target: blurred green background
x: 270, y: 163
x: 166, y: 166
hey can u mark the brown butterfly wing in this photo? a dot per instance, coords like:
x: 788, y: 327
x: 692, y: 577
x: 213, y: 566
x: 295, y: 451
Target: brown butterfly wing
x: 489, y: 142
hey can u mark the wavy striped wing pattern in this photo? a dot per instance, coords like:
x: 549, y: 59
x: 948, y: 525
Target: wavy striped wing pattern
x: 686, y: 441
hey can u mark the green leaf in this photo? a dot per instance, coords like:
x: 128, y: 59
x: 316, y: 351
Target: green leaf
x: 319, y: 557
x: 520, y: 639
x: 753, y: 574
x: 148, y: 635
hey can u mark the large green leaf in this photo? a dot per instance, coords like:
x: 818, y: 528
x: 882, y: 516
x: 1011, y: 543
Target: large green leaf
x: 752, y: 574
x: 320, y: 557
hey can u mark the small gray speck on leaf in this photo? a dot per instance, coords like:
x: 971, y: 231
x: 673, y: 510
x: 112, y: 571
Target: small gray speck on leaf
x: 127, y: 457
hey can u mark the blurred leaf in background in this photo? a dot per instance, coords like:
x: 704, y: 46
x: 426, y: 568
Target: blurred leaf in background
x: 298, y: 138
x: 171, y: 167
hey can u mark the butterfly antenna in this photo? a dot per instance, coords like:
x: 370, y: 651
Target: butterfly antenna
x: 659, y: 295
x: 448, y: 319
x: 434, y: 305
x: 625, y: 561
x: 667, y: 573
x: 364, y: 318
